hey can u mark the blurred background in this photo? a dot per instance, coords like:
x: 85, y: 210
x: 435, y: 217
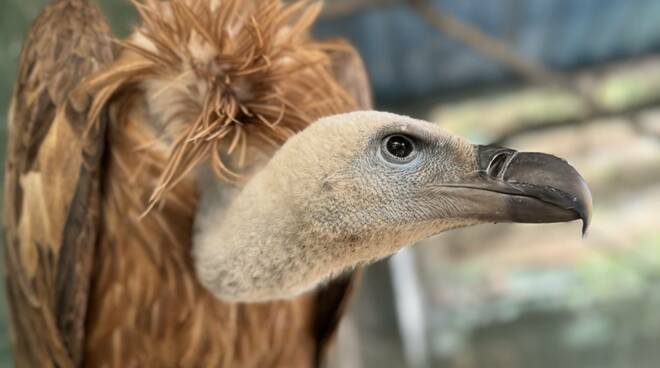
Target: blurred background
x: 580, y: 79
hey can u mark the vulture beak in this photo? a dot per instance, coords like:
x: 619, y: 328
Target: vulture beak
x: 527, y: 187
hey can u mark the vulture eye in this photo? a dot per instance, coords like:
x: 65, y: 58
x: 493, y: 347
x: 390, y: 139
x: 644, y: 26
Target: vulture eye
x: 398, y: 148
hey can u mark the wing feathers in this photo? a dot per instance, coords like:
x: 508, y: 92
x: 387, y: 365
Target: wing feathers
x: 52, y: 182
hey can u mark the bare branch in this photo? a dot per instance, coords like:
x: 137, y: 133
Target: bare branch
x: 499, y: 51
x: 629, y: 112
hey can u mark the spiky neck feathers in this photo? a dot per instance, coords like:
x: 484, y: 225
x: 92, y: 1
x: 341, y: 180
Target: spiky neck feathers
x: 222, y: 76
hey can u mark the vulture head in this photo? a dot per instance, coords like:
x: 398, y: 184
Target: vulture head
x: 354, y: 188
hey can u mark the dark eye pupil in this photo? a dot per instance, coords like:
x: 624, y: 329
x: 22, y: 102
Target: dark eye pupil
x: 399, y: 146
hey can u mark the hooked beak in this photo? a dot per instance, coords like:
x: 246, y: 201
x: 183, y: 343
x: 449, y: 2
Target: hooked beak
x: 527, y: 187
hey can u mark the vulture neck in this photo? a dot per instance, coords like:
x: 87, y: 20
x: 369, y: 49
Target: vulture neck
x: 256, y: 244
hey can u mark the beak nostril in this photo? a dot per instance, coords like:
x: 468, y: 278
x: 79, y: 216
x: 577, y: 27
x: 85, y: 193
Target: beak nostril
x: 497, y: 165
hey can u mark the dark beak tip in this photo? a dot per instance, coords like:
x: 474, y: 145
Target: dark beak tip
x: 584, y: 212
x: 585, y: 206
x: 585, y: 216
x: 585, y: 227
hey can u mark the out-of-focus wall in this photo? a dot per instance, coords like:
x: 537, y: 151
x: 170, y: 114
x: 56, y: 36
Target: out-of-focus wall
x: 408, y: 57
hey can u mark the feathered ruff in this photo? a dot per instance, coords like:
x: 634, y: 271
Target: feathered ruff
x: 229, y: 74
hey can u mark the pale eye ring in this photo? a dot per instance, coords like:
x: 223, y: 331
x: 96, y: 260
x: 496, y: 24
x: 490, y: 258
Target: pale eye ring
x: 398, y: 148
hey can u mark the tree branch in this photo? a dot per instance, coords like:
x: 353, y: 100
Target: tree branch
x: 629, y: 112
x: 499, y: 51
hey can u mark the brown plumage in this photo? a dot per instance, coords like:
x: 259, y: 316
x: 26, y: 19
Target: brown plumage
x: 103, y: 142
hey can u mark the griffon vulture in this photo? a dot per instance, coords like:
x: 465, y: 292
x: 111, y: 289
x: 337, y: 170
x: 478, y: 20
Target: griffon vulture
x: 155, y: 216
